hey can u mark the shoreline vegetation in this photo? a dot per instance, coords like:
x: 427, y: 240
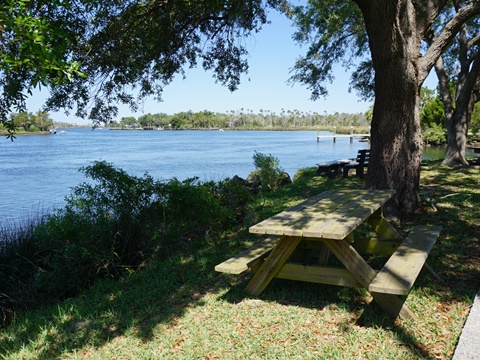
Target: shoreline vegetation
x: 338, y: 130
x: 433, y: 129
x: 117, y: 275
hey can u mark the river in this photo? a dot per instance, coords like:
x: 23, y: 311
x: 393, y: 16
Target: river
x: 38, y: 171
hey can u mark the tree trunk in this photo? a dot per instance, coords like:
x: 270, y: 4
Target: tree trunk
x: 457, y: 118
x: 457, y: 129
x: 458, y: 114
x: 396, y: 135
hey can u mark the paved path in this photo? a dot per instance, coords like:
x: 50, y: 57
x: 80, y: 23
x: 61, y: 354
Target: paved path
x: 468, y: 347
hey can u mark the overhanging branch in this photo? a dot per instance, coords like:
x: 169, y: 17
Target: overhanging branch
x: 446, y: 36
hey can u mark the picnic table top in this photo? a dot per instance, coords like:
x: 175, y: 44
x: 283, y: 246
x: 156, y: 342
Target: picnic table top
x: 335, y: 162
x: 331, y: 214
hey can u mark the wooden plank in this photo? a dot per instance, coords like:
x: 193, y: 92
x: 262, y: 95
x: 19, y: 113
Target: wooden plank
x: 360, y: 205
x: 326, y: 219
x: 286, y: 216
x: 313, y: 216
x: 272, y: 264
x: 320, y: 216
x: 318, y: 274
x: 316, y: 229
x: 364, y: 274
x: 292, y: 221
x: 401, y: 270
x: 363, y: 246
x: 324, y: 255
x: 382, y: 227
x: 242, y: 262
x: 359, y: 212
x: 328, y: 163
x: 376, y: 246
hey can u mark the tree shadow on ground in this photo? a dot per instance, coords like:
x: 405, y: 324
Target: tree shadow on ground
x: 156, y: 294
x: 365, y: 313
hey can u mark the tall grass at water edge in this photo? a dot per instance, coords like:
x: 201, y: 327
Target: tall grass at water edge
x: 176, y: 307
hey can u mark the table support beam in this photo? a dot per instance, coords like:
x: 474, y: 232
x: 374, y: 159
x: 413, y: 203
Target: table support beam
x: 382, y: 227
x: 359, y: 268
x: 318, y: 274
x: 272, y: 264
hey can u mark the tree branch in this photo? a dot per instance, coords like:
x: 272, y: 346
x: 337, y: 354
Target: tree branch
x: 443, y: 80
x: 443, y: 83
x: 472, y: 78
x: 426, y: 13
x: 474, y: 41
x: 443, y: 40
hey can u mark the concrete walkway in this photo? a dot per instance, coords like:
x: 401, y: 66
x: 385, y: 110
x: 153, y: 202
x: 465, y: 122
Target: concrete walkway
x: 468, y: 347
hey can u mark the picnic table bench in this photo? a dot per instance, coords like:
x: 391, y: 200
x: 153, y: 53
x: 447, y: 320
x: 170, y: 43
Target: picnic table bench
x: 476, y: 150
x: 359, y: 164
x: 326, y: 224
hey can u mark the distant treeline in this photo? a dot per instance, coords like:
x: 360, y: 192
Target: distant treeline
x: 242, y: 120
x: 27, y: 121
x: 38, y: 122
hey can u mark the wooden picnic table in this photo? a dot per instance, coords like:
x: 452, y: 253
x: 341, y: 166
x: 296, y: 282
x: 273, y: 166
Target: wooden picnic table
x: 325, y: 224
x: 331, y: 168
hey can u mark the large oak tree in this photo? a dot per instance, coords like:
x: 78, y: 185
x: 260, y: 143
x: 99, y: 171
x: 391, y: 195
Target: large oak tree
x: 401, y: 63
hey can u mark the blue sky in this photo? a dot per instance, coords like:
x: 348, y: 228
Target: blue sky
x: 272, y: 53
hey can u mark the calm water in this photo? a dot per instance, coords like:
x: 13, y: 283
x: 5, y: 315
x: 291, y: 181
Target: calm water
x: 38, y: 171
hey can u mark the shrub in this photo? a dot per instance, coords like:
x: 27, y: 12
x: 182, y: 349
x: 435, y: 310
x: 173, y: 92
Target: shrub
x: 268, y: 171
x: 115, y: 222
x: 435, y: 134
x: 234, y: 197
x: 33, y: 128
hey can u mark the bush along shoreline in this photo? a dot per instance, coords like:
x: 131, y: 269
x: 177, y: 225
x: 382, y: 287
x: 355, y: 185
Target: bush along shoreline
x: 117, y: 224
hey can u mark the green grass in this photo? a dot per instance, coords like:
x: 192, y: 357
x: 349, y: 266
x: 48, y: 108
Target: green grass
x: 180, y: 308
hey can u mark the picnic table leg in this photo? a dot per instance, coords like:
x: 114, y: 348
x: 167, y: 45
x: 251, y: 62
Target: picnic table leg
x: 272, y: 264
x: 382, y: 227
x: 359, y: 268
x: 387, y: 232
x: 324, y: 255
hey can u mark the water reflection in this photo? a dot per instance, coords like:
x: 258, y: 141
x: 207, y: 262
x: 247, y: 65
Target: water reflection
x: 438, y: 153
x: 433, y: 153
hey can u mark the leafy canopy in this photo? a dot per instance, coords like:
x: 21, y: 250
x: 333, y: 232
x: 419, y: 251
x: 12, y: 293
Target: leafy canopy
x: 34, y: 37
x: 139, y: 47
x: 93, y: 54
x: 335, y: 33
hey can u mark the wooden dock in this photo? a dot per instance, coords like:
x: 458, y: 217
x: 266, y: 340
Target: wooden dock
x: 351, y: 136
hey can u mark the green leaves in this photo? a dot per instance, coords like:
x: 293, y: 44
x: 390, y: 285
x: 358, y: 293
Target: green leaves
x: 334, y: 31
x: 143, y: 45
x: 91, y: 54
x: 268, y: 171
x: 35, y: 42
